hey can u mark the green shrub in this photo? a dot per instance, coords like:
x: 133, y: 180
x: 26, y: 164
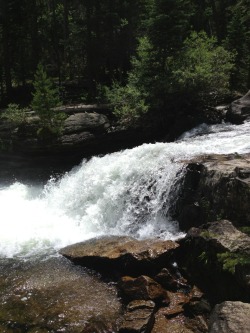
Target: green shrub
x: 230, y: 260
x: 202, y: 66
x: 15, y: 114
x: 128, y: 102
x: 245, y: 229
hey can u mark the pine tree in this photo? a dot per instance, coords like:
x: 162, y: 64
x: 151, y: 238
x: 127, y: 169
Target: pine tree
x: 45, y: 98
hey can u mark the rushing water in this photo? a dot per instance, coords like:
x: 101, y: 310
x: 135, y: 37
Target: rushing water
x: 127, y: 192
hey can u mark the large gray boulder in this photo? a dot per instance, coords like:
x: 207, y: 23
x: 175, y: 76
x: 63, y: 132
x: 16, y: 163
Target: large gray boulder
x: 239, y: 110
x: 82, y: 122
x: 215, y: 187
x: 230, y: 317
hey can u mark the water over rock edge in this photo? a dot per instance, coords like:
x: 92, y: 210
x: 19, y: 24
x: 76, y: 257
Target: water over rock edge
x: 214, y: 255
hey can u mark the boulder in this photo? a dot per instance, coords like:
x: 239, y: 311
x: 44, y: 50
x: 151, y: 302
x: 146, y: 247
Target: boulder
x: 215, y: 187
x: 121, y: 255
x: 239, y: 110
x: 142, y: 288
x: 138, y: 317
x: 230, y: 317
x: 82, y: 122
x: 217, y: 256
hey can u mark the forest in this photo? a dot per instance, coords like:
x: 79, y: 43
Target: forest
x: 138, y: 55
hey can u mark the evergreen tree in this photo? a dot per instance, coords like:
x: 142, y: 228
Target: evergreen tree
x: 45, y: 99
x: 238, y: 40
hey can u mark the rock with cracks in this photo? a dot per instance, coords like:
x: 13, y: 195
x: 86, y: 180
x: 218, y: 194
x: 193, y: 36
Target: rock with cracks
x: 215, y: 187
x: 230, y: 317
x: 116, y: 255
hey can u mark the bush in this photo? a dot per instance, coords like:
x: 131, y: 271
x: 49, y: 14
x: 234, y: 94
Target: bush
x: 202, y: 67
x: 127, y: 101
x: 15, y: 114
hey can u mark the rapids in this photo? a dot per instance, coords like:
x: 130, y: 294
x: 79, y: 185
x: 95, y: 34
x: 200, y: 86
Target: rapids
x: 124, y: 193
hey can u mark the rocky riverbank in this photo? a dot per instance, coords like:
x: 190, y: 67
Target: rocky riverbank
x: 200, y: 283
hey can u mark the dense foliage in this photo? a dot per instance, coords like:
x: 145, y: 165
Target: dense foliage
x: 149, y: 48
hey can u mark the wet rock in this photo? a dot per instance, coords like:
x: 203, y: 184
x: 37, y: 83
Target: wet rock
x: 239, y: 110
x: 215, y: 187
x: 198, y: 324
x: 230, y: 317
x: 217, y: 257
x: 197, y: 304
x: 143, y: 288
x: 176, y: 306
x: 121, y: 255
x: 138, y: 317
x: 140, y: 304
x: 163, y: 325
x: 166, y: 279
x: 196, y: 294
x: 170, y: 280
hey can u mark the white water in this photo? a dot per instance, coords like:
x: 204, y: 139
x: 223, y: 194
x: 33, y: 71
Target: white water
x: 122, y: 193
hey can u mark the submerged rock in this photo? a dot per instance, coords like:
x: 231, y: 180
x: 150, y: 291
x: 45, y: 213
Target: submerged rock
x: 120, y: 255
x: 230, y: 317
x: 54, y: 296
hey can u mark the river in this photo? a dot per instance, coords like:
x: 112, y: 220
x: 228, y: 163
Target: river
x: 124, y: 193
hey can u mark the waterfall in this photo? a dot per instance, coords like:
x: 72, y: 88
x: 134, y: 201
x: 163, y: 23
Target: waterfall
x: 124, y: 193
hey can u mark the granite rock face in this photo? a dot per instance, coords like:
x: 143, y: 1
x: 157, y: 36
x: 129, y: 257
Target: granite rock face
x: 215, y: 187
x: 81, y: 122
x: 239, y: 110
x: 230, y: 317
